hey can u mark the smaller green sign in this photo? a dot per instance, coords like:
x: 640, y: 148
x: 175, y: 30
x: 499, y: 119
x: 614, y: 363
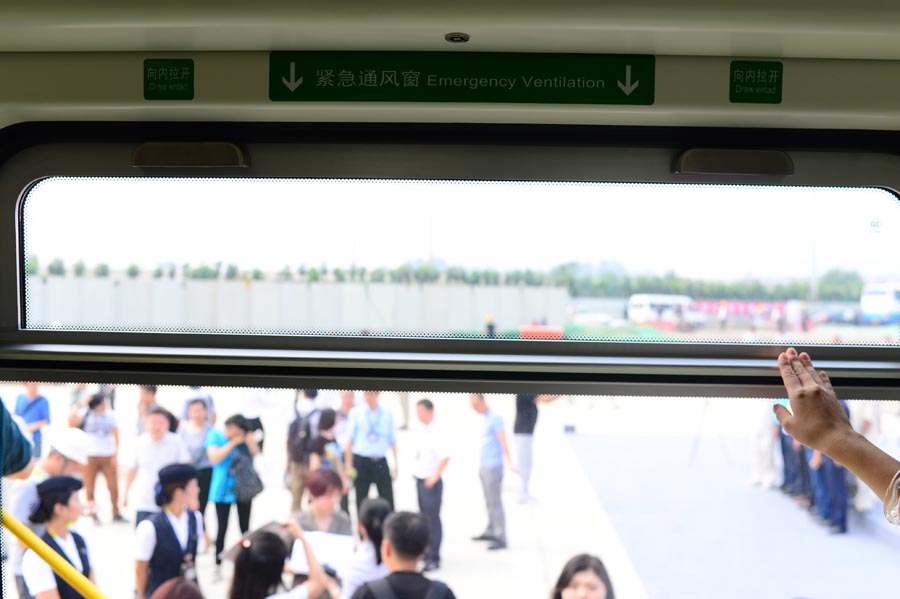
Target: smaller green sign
x: 168, y: 79
x: 756, y: 82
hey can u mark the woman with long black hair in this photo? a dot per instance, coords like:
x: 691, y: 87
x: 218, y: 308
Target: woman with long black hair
x: 366, y: 564
x: 259, y: 569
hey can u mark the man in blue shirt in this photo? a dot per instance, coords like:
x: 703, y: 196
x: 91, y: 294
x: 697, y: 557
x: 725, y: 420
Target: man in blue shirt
x: 15, y: 461
x: 34, y: 409
x: 370, y: 433
x: 493, y: 449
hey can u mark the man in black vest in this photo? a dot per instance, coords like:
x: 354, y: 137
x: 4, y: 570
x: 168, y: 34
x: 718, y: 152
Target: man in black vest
x: 167, y: 542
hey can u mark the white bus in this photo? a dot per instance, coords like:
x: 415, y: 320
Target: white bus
x: 676, y: 310
x: 880, y: 303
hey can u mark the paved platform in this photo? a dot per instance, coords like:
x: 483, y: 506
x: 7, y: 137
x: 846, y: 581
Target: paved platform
x: 655, y: 487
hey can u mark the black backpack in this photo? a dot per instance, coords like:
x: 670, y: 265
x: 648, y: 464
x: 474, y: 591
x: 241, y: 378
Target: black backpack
x: 300, y: 436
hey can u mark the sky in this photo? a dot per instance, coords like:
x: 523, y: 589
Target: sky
x: 704, y: 232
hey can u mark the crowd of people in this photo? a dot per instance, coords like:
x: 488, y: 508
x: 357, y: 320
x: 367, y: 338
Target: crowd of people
x: 817, y: 483
x: 333, y: 449
x: 182, y: 462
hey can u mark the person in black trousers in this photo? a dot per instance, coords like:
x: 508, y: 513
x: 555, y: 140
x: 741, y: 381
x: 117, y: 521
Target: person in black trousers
x: 432, y: 457
x: 370, y: 433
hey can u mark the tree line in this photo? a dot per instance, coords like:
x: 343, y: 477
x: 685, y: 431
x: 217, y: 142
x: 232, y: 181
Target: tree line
x: 834, y: 285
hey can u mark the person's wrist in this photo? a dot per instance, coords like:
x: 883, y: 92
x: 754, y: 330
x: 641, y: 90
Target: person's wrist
x: 837, y: 444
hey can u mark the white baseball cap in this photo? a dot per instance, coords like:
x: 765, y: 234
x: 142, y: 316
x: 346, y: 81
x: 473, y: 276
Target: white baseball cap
x: 71, y: 443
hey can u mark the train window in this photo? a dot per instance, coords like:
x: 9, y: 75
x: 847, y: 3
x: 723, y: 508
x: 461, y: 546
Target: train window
x: 626, y: 478
x: 464, y: 260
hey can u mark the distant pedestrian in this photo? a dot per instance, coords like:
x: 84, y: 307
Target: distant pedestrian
x: 97, y: 419
x: 207, y: 399
x: 494, y: 448
x: 583, y: 577
x: 252, y: 409
x: 523, y: 428
x: 371, y: 434
x: 325, y: 492
x: 222, y: 448
x: 432, y: 456
x: 325, y: 489
x: 34, y: 409
x: 301, y: 433
x: 324, y: 452
x: 153, y: 450
x: 403, y: 396
x: 146, y: 404
x: 405, y: 541
x: 194, y: 432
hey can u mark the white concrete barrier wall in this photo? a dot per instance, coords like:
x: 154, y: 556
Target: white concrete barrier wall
x: 125, y: 304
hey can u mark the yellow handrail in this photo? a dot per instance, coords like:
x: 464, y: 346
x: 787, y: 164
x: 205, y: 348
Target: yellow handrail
x: 67, y: 571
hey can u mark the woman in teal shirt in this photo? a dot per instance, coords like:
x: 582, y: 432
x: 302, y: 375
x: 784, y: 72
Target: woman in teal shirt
x: 221, y: 447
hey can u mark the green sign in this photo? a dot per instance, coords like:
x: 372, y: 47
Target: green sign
x: 461, y: 77
x: 168, y: 79
x: 756, y: 82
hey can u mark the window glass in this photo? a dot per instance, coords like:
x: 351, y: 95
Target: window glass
x: 464, y: 259
x: 677, y: 497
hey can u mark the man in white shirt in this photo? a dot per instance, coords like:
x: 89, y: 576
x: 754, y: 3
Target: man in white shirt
x: 153, y: 450
x: 432, y: 456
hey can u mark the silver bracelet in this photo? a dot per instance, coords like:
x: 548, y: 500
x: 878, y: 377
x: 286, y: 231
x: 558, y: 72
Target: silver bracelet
x: 892, y: 501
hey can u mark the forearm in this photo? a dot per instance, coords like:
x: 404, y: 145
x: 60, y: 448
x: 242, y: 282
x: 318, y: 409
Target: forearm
x: 216, y: 453
x: 141, y: 570
x: 441, y: 466
x: 866, y: 461
x: 348, y: 456
x: 396, y: 455
x: 36, y: 426
x: 129, y: 479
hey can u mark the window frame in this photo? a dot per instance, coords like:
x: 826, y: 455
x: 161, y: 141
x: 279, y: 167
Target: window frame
x: 30, y: 153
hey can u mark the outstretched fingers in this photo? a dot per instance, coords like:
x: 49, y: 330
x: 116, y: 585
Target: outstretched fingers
x: 803, y: 374
x: 788, y: 374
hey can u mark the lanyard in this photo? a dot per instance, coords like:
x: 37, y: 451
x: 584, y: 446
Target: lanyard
x: 373, y: 425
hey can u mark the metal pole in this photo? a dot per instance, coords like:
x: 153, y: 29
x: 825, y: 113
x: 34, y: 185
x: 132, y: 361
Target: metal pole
x: 57, y: 562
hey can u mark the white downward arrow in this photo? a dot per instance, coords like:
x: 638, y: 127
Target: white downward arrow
x: 293, y: 84
x: 628, y: 86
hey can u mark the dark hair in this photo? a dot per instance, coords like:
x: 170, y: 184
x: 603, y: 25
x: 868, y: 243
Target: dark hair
x: 165, y: 493
x: 159, y: 411
x: 426, y: 403
x: 149, y: 388
x: 258, y: 567
x: 238, y: 421
x: 321, y: 480
x: 582, y: 563
x: 372, y: 515
x: 408, y: 533
x: 177, y: 588
x: 327, y: 418
x: 310, y: 393
x: 197, y: 400
x: 96, y: 400
x: 48, y: 501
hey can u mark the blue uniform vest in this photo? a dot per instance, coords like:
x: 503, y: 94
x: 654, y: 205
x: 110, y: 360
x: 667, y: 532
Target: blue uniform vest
x: 63, y: 587
x: 168, y: 556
